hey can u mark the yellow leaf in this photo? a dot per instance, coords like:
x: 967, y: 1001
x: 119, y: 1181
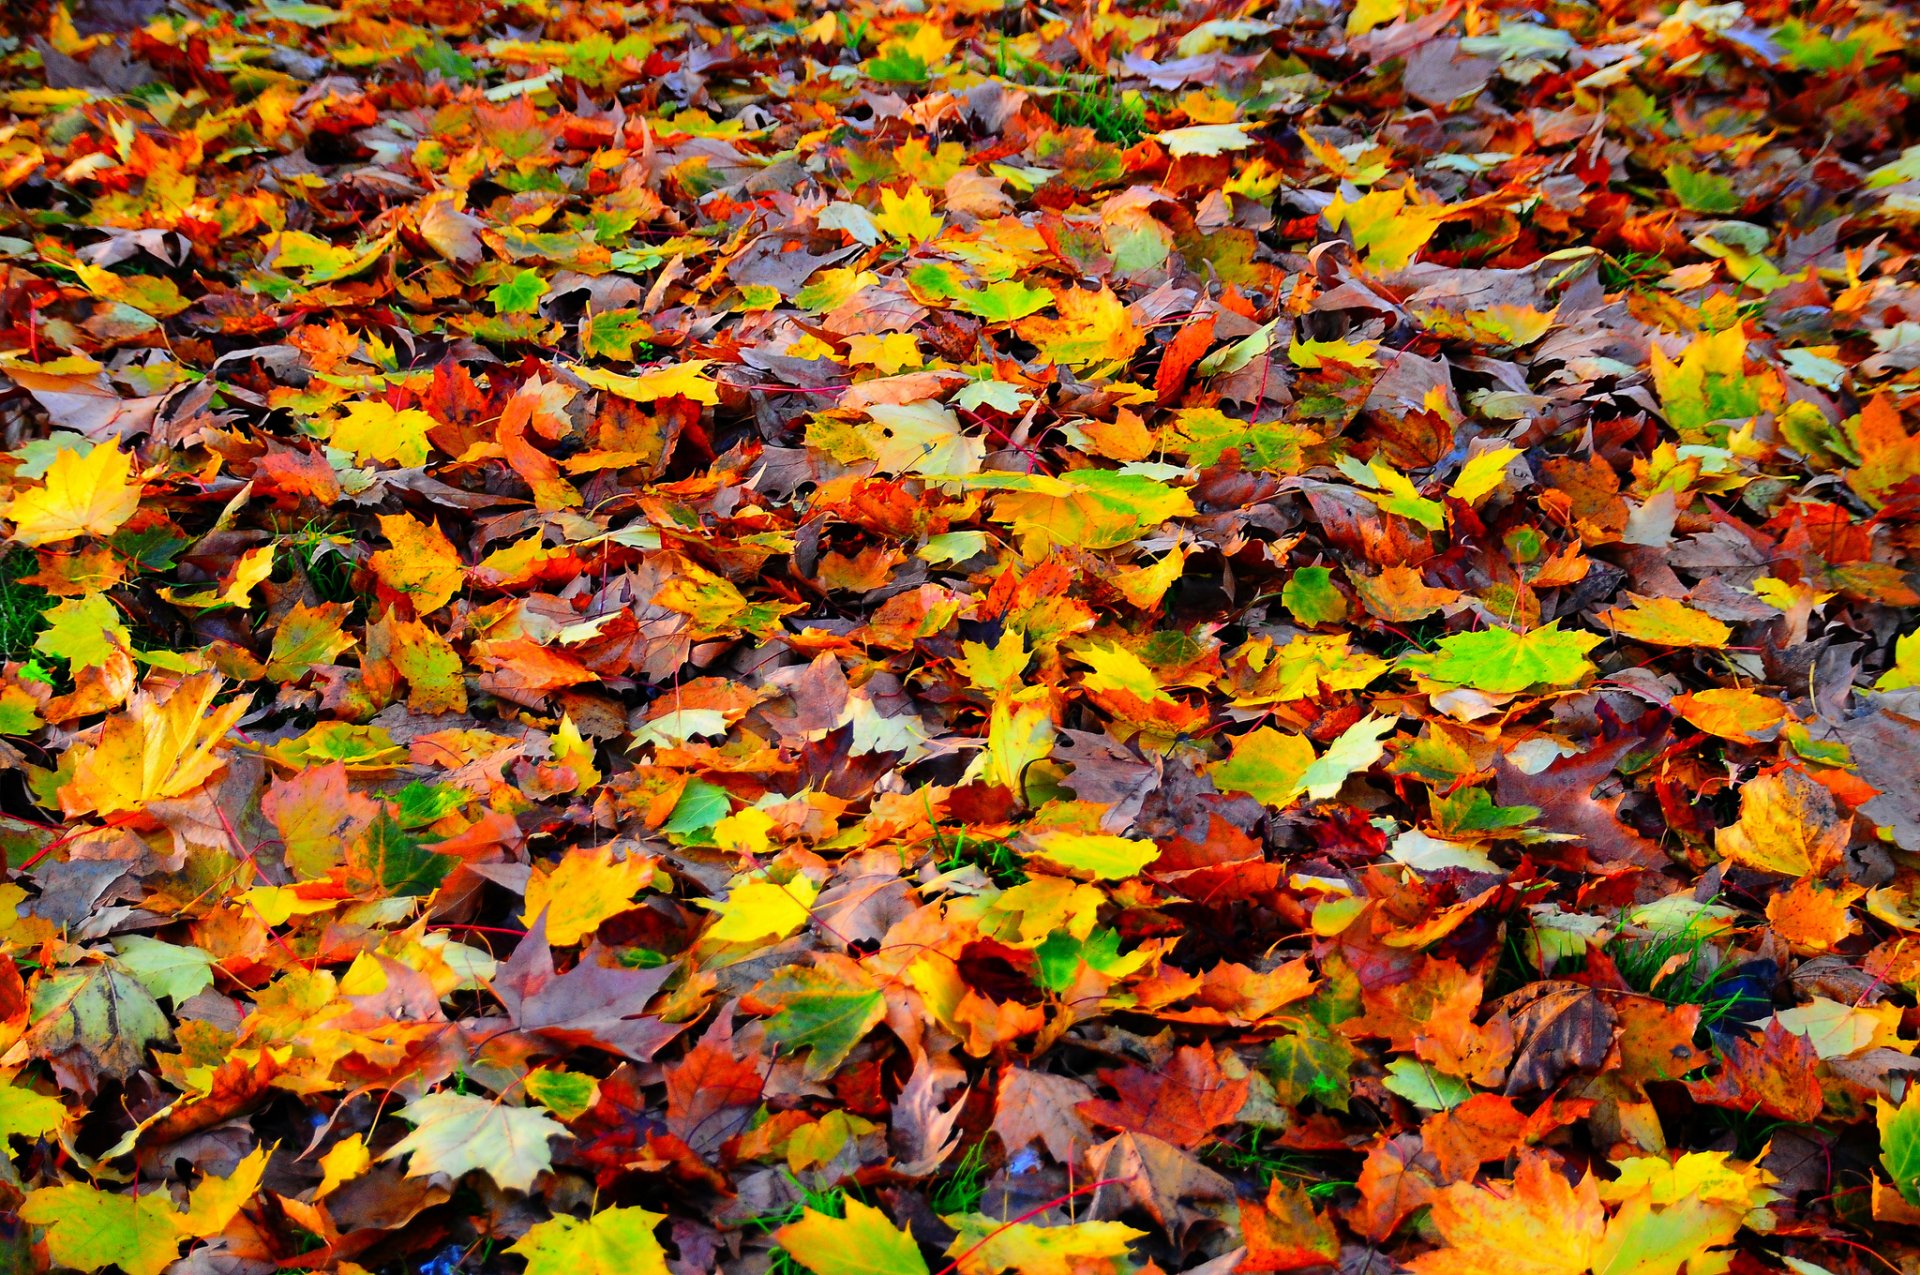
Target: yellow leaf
x: 584, y: 889
x: 1093, y: 327
x: 344, y: 1161
x: 89, y: 1230
x: 986, y: 1246
x: 997, y: 667
x: 615, y: 1241
x: 216, y: 1201
x: 1204, y: 139
x: 861, y: 1243
x: 249, y: 570
x: 1117, y: 669
x: 1317, y: 354
x: 681, y: 380
x: 155, y: 750
x: 908, y: 218
x: 82, y: 495
x: 1906, y: 665
x: 1788, y: 826
x: 1388, y: 226
x: 1368, y: 14
x: 1482, y: 473
x: 1540, y: 1225
x: 1019, y: 732
x: 1731, y: 712
x: 744, y: 832
x: 455, y: 1133
x: 377, y: 431
x: 571, y: 749
x: 422, y: 563
x: 757, y: 910
x: 1144, y: 587
x: 1100, y: 855
x: 1268, y: 765
x: 1667, y: 622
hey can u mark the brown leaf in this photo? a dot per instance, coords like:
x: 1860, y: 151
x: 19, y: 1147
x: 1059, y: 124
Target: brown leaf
x: 1561, y: 1029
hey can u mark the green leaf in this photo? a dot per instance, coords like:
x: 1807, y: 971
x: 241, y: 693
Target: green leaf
x: 1900, y: 1142
x: 387, y: 856
x: 1703, y: 192
x: 100, y: 1010
x: 25, y: 1113
x: 896, y: 66
x: 1311, y: 598
x: 821, y: 1013
x: 612, y: 334
x: 1098, y: 854
x: 1005, y: 301
x: 1424, y: 1087
x: 701, y: 805
x: 1313, y: 1062
x: 456, y: 1133
x: 520, y: 294
x: 88, y: 1230
x: 1502, y: 662
x: 1267, y: 765
x: 83, y: 631
x: 173, y: 970
x: 567, y: 1094
x: 1357, y: 748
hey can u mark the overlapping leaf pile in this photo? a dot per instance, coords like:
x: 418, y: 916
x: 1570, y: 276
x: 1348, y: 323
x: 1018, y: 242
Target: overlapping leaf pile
x: 959, y: 638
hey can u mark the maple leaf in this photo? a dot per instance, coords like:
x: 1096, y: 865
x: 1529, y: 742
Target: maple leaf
x: 861, y: 1243
x: 376, y: 431
x: 1540, y: 1225
x: 158, y: 748
x: 1667, y: 622
x: 613, y: 1241
x: 457, y: 1133
x: 593, y: 1004
x: 1503, y: 662
x: 89, y: 1230
x: 84, y: 494
x: 1284, y: 1233
x: 1093, y: 327
x: 985, y: 1246
x: 1788, y: 825
x: 817, y: 1010
x: 584, y: 889
x: 1180, y: 1104
x: 422, y: 563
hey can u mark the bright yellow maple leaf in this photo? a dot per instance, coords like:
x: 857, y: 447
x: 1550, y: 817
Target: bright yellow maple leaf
x: 1788, y: 825
x: 1093, y: 327
x: 863, y: 1242
x: 82, y: 495
x: 155, y: 750
x: 989, y: 1246
x: 1388, y: 226
x: 681, y: 380
x: 378, y: 431
x: 422, y: 563
x: 584, y: 889
x: 908, y: 218
x: 1540, y: 1224
x: 757, y: 910
x: 1666, y: 622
